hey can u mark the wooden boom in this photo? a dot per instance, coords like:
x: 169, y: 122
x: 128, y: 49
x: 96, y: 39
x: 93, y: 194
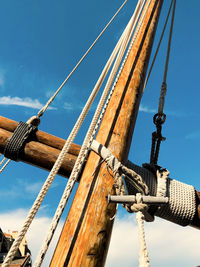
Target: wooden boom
x: 43, y: 151
x: 86, y: 234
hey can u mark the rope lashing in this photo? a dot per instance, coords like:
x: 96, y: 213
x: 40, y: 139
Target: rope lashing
x: 119, y: 169
x: 16, y: 143
x: 140, y: 208
x: 181, y: 206
x: 162, y: 175
x: 160, y: 117
x: 19, y: 138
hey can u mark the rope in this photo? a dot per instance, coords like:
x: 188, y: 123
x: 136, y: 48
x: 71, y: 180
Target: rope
x: 143, y: 254
x: 119, y: 170
x: 34, y: 120
x: 157, y: 49
x: 57, y: 164
x: 41, y: 112
x: 87, y: 142
x: 51, y: 176
x: 2, y: 161
x: 164, y: 84
x: 18, y: 140
x: 159, y: 118
x: 61, y: 157
x: 5, y: 165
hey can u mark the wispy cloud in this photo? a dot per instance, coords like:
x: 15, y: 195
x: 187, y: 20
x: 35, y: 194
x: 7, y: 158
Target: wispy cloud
x: 68, y: 106
x: 193, y: 136
x: 22, y: 189
x: 33, y: 188
x: 146, y: 109
x: 24, y: 102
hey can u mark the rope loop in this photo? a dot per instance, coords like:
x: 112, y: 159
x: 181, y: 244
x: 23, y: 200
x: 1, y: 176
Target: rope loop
x: 34, y: 120
x: 139, y: 206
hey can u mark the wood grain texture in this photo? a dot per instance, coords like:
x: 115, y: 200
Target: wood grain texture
x: 42, y: 151
x: 86, y: 234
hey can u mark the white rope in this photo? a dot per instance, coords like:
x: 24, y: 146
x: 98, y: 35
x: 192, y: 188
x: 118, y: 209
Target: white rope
x: 5, y: 165
x: 61, y: 157
x: 58, y: 163
x: 164, y: 84
x: 88, y: 139
x: 41, y: 112
x: 162, y: 176
x: 85, y: 147
x: 54, y: 171
x: 2, y: 161
x: 143, y: 254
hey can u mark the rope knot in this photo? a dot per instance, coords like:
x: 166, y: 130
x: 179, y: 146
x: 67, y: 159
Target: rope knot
x: 139, y: 206
x: 113, y: 163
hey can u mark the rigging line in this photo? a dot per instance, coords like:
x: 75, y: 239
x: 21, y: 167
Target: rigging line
x: 164, y: 86
x: 157, y: 49
x: 58, y: 162
x: 72, y: 179
x: 41, y: 112
x: 5, y: 165
x: 159, y: 118
x: 56, y: 167
x: 2, y: 161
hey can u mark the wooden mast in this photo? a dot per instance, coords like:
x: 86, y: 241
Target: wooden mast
x: 86, y: 234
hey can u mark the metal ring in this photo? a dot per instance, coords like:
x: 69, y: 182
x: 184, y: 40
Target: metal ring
x: 159, y: 118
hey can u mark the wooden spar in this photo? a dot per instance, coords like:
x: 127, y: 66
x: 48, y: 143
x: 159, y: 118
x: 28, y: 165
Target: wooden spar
x: 43, y: 151
x: 86, y: 234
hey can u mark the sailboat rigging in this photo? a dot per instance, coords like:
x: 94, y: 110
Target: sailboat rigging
x: 86, y: 234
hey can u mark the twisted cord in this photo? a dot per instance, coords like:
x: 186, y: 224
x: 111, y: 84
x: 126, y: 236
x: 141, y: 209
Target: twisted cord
x: 157, y: 49
x: 86, y: 144
x: 164, y: 84
x: 58, y: 163
x: 143, y: 254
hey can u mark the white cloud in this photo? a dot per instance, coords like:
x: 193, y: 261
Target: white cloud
x: 24, y: 102
x: 22, y: 189
x: 68, y: 106
x: 35, y: 235
x: 33, y: 188
x: 146, y: 109
x: 168, y: 244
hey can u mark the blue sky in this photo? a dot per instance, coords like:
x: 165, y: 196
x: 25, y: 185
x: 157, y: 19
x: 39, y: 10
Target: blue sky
x: 41, y: 41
